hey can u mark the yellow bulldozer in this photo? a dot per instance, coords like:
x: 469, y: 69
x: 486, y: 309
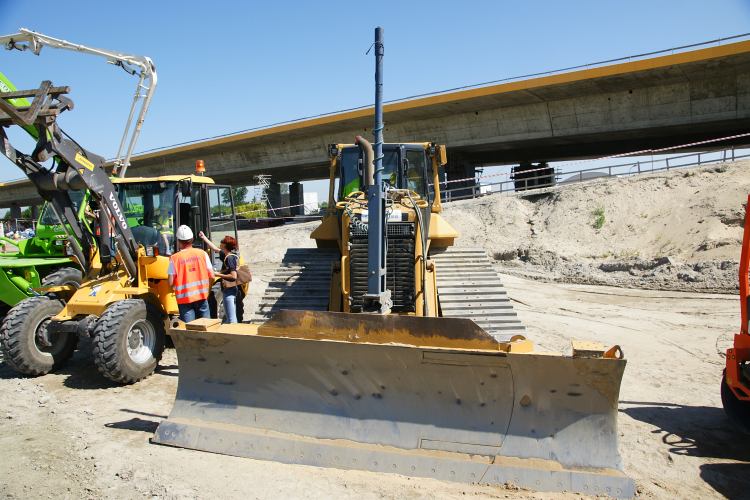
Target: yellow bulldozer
x: 388, y: 349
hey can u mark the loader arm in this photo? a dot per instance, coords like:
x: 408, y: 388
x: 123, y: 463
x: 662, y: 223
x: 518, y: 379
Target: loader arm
x: 140, y: 66
x: 74, y: 168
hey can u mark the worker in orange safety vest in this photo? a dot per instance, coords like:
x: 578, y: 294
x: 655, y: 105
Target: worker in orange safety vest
x: 190, y: 276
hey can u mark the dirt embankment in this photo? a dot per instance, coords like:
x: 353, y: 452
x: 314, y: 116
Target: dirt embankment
x: 678, y: 230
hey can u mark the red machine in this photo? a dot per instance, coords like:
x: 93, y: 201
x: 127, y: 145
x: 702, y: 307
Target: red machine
x: 735, y: 386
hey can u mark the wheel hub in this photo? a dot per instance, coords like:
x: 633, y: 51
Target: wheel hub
x: 141, y: 341
x: 44, y: 338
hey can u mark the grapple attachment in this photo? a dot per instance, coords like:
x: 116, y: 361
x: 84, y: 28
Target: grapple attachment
x: 430, y: 397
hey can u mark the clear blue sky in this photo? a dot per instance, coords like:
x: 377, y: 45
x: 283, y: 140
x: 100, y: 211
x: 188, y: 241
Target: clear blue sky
x: 229, y: 66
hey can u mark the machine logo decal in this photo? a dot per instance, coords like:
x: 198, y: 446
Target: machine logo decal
x: 118, y: 212
x: 84, y: 161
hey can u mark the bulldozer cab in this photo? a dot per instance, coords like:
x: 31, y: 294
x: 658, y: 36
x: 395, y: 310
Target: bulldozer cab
x: 405, y: 166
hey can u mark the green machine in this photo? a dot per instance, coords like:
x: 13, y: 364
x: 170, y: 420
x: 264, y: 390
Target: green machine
x: 41, y: 260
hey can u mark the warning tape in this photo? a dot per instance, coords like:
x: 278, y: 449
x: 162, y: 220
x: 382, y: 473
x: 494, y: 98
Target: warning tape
x: 619, y: 155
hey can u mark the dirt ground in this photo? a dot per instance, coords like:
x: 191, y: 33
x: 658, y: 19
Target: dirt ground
x: 71, y: 434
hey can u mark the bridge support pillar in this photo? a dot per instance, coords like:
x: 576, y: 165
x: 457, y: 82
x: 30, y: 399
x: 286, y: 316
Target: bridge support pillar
x: 461, y: 172
x: 274, y: 199
x: 296, y: 197
x: 35, y: 212
x: 15, y: 213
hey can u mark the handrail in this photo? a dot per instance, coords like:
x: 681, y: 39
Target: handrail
x: 577, y: 176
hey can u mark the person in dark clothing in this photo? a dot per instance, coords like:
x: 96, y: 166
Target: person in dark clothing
x: 230, y: 262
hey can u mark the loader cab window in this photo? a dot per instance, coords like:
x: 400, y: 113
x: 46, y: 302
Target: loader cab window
x: 221, y: 220
x: 149, y: 209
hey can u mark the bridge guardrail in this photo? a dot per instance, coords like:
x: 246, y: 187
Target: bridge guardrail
x: 587, y: 174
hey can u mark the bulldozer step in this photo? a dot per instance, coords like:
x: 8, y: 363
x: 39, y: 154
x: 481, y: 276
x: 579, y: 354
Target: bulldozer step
x: 468, y: 287
x: 301, y: 282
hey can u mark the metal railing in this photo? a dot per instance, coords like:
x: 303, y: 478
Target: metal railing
x: 517, y: 186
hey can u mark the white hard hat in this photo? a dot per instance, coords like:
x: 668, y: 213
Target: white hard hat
x: 184, y: 233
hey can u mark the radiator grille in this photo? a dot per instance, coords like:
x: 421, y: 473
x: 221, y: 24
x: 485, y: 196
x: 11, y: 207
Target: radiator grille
x: 399, y: 265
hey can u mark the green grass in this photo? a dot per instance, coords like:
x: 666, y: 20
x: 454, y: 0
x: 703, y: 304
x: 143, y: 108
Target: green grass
x: 599, y: 218
x: 251, y: 210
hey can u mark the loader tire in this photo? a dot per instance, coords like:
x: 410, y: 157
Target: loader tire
x: 21, y: 334
x: 737, y: 410
x: 128, y: 341
x: 64, y: 276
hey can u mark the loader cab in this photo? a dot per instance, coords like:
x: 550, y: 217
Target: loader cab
x: 405, y: 166
x: 156, y: 207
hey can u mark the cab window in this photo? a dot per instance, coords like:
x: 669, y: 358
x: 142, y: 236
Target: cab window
x: 349, y: 172
x: 415, y: 172
x: 390, y: 166
x: 149, y: 210
x: 49, y: 217
x: 221, y: 219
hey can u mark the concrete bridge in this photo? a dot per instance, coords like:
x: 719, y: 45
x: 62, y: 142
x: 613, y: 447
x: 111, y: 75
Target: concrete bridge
x: 648, y: 103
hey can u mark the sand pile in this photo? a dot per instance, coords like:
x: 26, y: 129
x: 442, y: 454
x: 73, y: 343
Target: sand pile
x: 678, y: 230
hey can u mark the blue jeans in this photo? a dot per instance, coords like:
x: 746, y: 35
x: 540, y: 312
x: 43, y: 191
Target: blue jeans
x: 197, y: 309
x: 230, y: 304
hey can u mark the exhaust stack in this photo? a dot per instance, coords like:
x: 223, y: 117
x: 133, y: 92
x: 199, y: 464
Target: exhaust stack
x: 378, y: 298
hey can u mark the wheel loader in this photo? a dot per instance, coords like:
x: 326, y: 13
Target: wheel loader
x: 41, y: 261
x: 389, y: 349
x: 124, y: 300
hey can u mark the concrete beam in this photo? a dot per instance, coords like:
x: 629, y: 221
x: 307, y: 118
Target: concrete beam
x: 652, y: 103
x: 591, y: 113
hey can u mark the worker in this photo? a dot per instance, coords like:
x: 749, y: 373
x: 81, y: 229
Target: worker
x: 164, y: 225
x: 231, y: 260
x: 190, y: 276
x: 164, y: 222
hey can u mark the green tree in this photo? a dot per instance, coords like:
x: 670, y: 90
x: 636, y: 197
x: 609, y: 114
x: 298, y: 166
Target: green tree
x: 26, y: 213
x: 238, y: 194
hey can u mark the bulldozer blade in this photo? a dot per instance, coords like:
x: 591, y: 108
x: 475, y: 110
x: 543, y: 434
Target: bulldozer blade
x: 397, y: 404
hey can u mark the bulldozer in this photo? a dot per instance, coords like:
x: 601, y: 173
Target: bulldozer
x: 389, y: 349
x: 124, y: 301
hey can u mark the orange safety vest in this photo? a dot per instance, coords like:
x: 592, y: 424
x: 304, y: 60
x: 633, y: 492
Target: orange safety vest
x: 192, y: 280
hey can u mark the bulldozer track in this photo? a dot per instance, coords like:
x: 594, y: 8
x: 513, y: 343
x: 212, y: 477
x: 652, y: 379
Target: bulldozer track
x: 301, y: 282
x: 469, y: 287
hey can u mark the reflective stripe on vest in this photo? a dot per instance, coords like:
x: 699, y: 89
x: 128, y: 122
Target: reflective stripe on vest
x: 192, y: 280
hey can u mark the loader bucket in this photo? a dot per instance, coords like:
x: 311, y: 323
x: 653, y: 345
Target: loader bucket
x: 430, y: 397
